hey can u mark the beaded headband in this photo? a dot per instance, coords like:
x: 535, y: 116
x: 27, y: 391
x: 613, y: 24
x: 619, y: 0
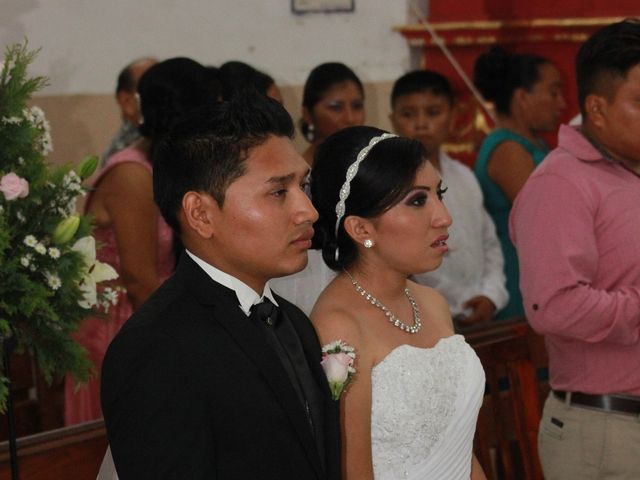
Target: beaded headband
x: 351, y: 173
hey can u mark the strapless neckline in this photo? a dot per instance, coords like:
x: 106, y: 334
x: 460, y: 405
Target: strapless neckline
x: 436, y: 346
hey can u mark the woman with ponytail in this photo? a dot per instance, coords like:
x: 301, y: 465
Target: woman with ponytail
x: 526, y: 91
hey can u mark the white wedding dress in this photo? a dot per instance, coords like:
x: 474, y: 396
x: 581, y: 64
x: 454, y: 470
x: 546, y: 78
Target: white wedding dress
x: 107, y: 468
x: 425, y: 404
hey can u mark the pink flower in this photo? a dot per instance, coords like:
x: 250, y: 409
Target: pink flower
x: 336, y: 366
x: 12, y: 186
x: 337, y: 363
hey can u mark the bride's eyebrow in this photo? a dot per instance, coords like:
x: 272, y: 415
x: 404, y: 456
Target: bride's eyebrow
x: 415, y: 189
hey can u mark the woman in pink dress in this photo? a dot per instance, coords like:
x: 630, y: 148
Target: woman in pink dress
x: 133, y: 237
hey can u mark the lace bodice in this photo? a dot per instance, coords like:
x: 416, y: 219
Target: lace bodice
x: 423, y: 399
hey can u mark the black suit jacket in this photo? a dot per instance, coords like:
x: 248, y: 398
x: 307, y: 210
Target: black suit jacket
x: 191, y: 390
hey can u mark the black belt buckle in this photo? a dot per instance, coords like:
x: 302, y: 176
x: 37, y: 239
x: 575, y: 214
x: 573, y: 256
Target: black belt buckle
x: 626, y: 404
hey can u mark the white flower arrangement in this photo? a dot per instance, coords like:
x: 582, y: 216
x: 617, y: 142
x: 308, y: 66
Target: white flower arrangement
x: 48, y: 265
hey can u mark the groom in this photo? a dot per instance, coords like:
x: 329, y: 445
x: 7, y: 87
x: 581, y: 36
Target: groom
x: 215, y: 376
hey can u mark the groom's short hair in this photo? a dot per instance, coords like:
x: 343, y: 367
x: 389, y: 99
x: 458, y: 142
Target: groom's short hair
x: 206, y: 152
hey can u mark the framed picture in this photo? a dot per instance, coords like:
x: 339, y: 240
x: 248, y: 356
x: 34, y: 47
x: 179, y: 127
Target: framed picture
x: 309, y: 6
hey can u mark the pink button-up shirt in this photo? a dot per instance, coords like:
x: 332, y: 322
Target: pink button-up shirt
x: 576, y: 226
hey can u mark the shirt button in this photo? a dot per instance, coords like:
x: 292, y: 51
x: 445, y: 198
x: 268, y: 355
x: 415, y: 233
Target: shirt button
x: 535, y: 306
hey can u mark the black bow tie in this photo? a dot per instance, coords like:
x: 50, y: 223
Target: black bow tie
x: 266, y: 312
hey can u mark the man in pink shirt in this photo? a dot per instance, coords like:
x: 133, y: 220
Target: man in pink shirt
x: 576, y: 227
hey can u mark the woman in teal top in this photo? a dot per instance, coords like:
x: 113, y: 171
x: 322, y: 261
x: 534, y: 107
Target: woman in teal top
x: 528, y: 100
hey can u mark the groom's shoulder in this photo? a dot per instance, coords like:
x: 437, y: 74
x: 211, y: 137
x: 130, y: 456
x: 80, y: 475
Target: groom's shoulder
x: 300, y: 320
x: 169, y: 321
x: 290, y: 308
x: 163, y: 304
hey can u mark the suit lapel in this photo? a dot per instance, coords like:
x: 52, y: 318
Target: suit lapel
x: 252, y: 342
x: 332, y: 440
x: 226, y: 311
x: 310, y: 343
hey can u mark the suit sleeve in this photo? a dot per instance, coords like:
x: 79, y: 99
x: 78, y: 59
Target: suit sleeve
x: 157, y: 427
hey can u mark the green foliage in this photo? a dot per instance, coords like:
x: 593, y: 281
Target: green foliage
x: 43, y: 289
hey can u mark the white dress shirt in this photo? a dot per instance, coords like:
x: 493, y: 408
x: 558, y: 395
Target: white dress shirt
x: 474, y: 264
x: 247, y: 296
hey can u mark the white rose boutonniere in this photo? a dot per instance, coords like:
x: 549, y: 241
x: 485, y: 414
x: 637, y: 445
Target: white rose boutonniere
x: 337, y: 363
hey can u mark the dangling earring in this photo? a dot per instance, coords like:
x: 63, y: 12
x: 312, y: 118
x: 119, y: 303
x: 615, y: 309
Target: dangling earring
x: 368, y: 243
x: 311, y: 133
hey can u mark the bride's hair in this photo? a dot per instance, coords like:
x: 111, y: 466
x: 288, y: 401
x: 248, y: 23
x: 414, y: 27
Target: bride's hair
x: 383, y: 179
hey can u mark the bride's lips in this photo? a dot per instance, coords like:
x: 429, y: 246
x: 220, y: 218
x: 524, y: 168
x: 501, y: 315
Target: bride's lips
x: 440, y: 243
x: 304, y: 239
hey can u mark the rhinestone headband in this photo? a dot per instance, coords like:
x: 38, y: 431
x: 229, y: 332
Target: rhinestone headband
x: 351, y: 173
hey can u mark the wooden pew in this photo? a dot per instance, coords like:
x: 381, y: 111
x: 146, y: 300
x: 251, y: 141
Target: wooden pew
x: 37, y: 406
x: 71, y: 453
x: 506, y: 437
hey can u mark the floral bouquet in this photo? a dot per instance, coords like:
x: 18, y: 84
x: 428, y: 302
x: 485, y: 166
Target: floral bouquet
x: 337, y: 363
x: 47, y: 254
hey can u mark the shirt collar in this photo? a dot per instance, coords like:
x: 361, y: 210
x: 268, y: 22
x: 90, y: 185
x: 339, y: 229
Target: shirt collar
x: 247, y: 296
x: 571, y: 138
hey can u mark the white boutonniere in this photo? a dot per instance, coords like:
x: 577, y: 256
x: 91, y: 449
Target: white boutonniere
x: 337, y: 363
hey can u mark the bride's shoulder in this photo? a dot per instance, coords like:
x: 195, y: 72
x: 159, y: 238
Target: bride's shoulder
x: 331, y: 319
x: 334, y: 318
x: 434, y: 301
x: 424, y: 292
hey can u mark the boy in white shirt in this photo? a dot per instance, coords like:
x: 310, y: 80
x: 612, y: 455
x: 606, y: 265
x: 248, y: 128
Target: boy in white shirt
x: 471, y: 277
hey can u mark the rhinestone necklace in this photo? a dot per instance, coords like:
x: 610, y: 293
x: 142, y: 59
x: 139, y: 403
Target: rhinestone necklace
x: 417, y: 323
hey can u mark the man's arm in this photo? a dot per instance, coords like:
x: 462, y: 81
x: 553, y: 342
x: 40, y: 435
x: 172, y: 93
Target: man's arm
x: 552, y: 226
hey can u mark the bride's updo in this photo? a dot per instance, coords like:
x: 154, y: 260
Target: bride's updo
x: 384, y: 177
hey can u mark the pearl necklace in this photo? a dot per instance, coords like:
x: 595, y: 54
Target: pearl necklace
x: 417, y: 323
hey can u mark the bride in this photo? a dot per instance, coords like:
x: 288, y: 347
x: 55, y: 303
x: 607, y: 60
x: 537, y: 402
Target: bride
x: 411, y: 408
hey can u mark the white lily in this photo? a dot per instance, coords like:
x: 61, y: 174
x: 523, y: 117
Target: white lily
x: 95, y: 271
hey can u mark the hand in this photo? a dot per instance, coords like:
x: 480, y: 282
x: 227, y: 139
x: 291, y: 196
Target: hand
x: 483, y: 309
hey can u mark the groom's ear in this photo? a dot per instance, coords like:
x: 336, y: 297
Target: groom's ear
x: 198, y: 212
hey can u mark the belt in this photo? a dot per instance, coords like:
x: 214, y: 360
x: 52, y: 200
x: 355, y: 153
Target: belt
x: 607, y: 403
